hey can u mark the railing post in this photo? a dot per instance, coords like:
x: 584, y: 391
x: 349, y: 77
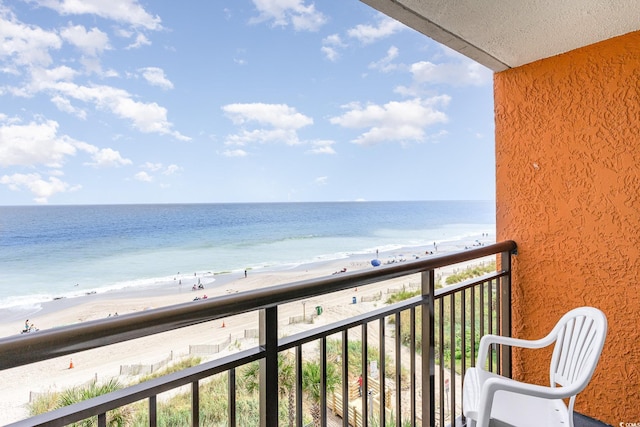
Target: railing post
x: 365, y: 376
x: 269, y: 367
x: 153, y: 411
x: 428, y: 348
x: 195, y: 403
x: 345, y: 376
x: 398, y: 376
x: 381, y: 378
x: 323, y: 381
x: 232, y: 397
x: 298, y: 386
x: 505, y: 312
x: 412, y: 352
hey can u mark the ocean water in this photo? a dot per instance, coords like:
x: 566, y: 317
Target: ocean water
x: 49, y: 252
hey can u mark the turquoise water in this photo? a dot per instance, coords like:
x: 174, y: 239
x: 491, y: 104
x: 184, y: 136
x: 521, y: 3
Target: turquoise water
x: 50, y: 252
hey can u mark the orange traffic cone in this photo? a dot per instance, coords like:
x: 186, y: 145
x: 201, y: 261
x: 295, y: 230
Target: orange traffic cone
x: 222, y: 324
x: 71, y: 364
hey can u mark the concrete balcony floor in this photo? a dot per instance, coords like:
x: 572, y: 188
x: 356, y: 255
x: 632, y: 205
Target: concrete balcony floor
x: 582, y: 421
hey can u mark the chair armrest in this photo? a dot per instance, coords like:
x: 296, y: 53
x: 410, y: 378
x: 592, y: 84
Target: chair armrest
x: 487, y: 340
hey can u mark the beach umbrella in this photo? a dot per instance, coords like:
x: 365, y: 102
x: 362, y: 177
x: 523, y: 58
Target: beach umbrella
x: 375, y: 262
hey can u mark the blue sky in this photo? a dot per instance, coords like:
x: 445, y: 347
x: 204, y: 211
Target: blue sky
x: 120, y: 101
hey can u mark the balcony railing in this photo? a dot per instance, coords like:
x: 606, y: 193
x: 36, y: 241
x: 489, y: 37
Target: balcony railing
x: 443, y: 325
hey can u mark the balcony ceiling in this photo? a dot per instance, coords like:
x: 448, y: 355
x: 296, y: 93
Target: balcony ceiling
x: 502, y: 34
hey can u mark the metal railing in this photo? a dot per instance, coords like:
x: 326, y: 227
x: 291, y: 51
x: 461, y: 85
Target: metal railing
x: 444, y: 325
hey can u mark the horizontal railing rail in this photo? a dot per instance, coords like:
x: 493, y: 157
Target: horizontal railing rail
x: 493, y: 309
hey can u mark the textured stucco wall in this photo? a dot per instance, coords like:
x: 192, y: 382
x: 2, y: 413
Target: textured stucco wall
x: 568, y: 192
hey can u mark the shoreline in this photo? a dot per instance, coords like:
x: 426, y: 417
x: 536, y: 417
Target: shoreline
x: 168, y: 293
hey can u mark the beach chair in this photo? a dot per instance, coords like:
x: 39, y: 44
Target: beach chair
x: 493, y: 400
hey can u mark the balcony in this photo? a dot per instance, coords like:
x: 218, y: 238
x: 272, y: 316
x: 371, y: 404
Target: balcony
x: 398, y: 387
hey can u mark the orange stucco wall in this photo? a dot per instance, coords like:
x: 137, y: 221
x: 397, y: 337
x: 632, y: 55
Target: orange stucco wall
x: 568, y: 192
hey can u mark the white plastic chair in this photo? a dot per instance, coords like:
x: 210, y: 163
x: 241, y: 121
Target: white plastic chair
x: 488, y: 397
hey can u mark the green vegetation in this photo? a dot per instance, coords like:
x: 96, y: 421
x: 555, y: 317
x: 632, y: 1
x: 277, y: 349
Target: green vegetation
x: 443, y: 310
x: 402, y: 295
x: 311, y: 378
x: 444, y: 305
x: 53, y: 401
x: 354, y: 351
x: 176, y: 367
x: 286, y: 384
x: 174, y: 408
x: 470, y: 273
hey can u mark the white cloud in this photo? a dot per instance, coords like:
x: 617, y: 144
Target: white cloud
x: 274, y: 122
x: 110, y: 73
x: 25, y: 44
x: 141, y: 40
x: 276, y: 115
x: 386, y: 64
x: 322, y: 147
x: 157, y: 167
x: 330, y: 46
x: 235, y: 153
x: 127, y: 12
x: 108, y: 157
x: 333, y: 40
x: 34, y: 143
x: 370, y: 33
x: 27, y: 51
x: 64, y: 104
x: 454, y: 70
x: 283, y: 13
x: 172, y: 170
x: 330, y: 53
x: 62, y: 72
x: 395, y: 121
x: 460, y: 73
x: 321, y: 180
x: 143, y: 176
x: 146, y: 117
x: 155, y: 76
x: 92, y: 42
x: 40, y: 187
x: 263, y: 136
x: 39, y: 144
x: 153, y: 167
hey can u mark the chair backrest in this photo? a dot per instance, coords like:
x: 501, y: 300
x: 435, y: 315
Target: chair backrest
x: 580, y: 336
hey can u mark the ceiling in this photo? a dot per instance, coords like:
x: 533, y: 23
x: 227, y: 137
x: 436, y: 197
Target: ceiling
x: 502, y: 34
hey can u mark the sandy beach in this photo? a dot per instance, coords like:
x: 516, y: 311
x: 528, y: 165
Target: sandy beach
x: 103, y: 364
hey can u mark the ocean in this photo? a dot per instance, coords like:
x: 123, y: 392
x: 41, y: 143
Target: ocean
x: 49, y: 252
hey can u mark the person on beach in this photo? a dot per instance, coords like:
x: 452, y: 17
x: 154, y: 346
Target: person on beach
x: 29, y: 327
